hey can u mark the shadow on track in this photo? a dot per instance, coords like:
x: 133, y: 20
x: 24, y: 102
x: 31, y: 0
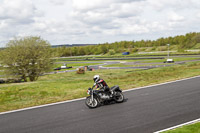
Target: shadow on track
x: 112, y: 102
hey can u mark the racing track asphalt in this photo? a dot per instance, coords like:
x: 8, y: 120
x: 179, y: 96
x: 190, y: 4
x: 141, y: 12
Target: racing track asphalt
x: 145, y: 111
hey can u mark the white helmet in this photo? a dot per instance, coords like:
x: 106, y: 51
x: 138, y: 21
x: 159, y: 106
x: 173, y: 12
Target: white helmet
x: 96, y: 78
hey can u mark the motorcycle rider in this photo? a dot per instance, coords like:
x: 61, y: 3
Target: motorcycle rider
x: 101, y: 84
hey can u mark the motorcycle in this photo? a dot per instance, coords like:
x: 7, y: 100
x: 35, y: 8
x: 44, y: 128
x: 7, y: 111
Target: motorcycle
x: 100, y: 97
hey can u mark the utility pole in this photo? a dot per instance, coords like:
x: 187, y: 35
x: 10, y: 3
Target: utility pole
x: 168, y: 50
x: 169, y: 60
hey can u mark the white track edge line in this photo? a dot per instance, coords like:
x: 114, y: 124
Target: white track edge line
x: 39, y: 106
x: 177, y: 126
x: 133, y: 89
x: 161, y: 84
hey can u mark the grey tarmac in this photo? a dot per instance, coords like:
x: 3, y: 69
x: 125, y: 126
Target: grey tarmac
x: 144, y: 111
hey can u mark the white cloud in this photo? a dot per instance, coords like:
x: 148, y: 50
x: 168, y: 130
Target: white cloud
x: 173, y: 4
x: 3, y: 24
x: 20, y: 11
x: 198, y: 14
x: 89, y: 5
x: 125, y: 10
x: 107, y: 16
x: 97, y: 21
x: 15, y: 17
x: 58, y: 2
x: 175, y: 17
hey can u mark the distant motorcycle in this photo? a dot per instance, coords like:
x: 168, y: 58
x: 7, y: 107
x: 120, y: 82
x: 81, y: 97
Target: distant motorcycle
x: 100, y: 97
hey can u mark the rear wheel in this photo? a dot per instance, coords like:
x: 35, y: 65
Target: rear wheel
x: 90, y: 103
x: 119, y: 98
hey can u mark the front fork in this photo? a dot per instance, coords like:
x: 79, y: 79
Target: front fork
x: 92, y: 97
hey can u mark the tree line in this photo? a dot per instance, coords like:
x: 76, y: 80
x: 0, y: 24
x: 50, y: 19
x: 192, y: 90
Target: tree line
x: 186, y: 41
x: 29, y: 57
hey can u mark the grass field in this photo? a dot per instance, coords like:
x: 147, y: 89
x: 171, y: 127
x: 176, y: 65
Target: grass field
x: 194, y: 128
x: 176, y: 59
x: 132, y: 54
x: 157, y: 61
x: 66, y: 86
x: 124, y: 65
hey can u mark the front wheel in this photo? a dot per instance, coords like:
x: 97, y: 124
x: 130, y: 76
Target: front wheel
x: 119, y: 98
x: 90, y: 103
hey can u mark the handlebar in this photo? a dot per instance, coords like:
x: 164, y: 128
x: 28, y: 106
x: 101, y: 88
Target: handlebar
x: 94, y: 85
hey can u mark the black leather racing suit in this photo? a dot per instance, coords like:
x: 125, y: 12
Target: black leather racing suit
x: 101, y: 84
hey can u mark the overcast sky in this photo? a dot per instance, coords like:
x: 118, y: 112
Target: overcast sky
x: 97, y: 21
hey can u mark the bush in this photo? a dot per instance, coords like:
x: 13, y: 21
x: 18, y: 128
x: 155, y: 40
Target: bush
x: 162, y: 48
x: 181, y: 50
x: 80, y: 71
x: 135, y: 50
x: 153, y: 49
x: 111, y: 52
x: 148, y: 49
x: 142, y: 49
x: 27, y: 57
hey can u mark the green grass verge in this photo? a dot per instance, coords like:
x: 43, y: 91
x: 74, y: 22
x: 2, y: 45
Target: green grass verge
x: 66, y: 86
x: 197, y: 46
x: 176, y: 59
x: 157, y: 61
x: 73, y: 65
x: 119, y: 55
x: 2, y: 72
x: 194, y: 128
x: 77, y: 64
x: 124, y: 65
